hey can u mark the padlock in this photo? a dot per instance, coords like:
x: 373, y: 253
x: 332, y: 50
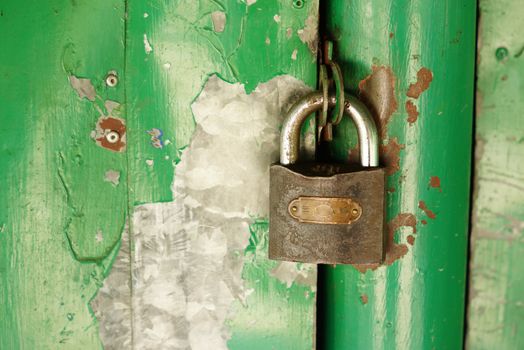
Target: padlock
x: 327, y: 213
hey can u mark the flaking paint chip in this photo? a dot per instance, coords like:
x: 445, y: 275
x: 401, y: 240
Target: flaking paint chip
x: 156, y: 137
x: 83, y: 87
x: 112, y: 176
x: 309, y: 34
x: 99, y: 236
x: 110, y: 106
x: 424, y: 79
x: 294, y: 54
x: 219, y: 21
x: 147, y: 45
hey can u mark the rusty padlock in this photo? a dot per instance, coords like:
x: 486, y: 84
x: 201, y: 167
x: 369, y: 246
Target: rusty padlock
x: 327, y: 213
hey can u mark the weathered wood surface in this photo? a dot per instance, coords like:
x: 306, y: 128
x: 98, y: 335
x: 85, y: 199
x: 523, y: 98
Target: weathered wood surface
x: 496, y: 295
x: 63, y: 198
x: 202, y: 85
x: 413, y: 63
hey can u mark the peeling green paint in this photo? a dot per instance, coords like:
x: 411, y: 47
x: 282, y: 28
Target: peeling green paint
x: 53, y: 198
x: 65, y: 204
x: 165, y: 82
x: 258, y: 42
x: 496, y: 291
x: 416, y: 299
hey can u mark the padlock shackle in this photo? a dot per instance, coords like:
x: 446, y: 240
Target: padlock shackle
x: 359, y: 113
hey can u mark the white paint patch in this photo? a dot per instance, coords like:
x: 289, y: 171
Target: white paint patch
x: 110, y: 107
x: 268, y: 41
x: 219, y: 21
x: 250, y: 2
x: 289, y: 273
x: 276, y: 18
x: 83, y: 87
x: 189, y: 254
x: 289, y: 33
x: 150, y: 162
x: 167, y: 65
x: 112, y: 176
x: 147, y: 45
x: 112, y: 304
x: 309, y: 34
x: 294, y: 54
x: 146, y: 14
x: 99, y: 236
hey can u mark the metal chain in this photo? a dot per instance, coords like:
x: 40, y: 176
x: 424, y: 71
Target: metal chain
x: 330, y: 78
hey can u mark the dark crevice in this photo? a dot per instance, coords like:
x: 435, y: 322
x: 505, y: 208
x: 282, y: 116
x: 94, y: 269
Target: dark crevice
x: 322, y: 153
x: 472, y: 187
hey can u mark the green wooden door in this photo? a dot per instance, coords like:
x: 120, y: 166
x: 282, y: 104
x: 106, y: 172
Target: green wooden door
x: 154, y: 237
x: 135, y: 143
x: 412, y: 62
x: 495, y: 314
x: 63, y: 197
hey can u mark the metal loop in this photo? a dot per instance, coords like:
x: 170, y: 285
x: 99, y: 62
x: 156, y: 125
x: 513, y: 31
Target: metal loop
x: 336, y: 74
x: 366, y: 128
x: 324, y: 87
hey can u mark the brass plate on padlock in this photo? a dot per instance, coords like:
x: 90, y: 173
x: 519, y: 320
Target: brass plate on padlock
x: 325, y: 210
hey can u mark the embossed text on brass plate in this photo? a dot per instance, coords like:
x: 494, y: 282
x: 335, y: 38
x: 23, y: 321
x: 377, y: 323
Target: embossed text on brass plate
x: 325, y: 210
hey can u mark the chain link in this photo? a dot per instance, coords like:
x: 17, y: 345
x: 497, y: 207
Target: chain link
x: 330, y: 78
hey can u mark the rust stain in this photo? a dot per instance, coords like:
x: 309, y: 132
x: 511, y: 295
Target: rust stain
x: 364, y: 299
x: 156, y: 137
x: 362, y: 268
x: 434, y: 182
x: 424, y: 78
x: 354, y: 154
x: 412, y: 111
x: 410, y: 239
x: 391, y: 35
x: 422, y: 205
x: 424, y: 222
x: 104, y: 126
x: 377, y: 91
x: 390, y: 155
x: 394, y: 251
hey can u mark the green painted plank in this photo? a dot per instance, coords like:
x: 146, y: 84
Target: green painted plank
x: 496, y: 275
x: 404, y: 58
x: 60, y: 217
x: 206, y: 85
